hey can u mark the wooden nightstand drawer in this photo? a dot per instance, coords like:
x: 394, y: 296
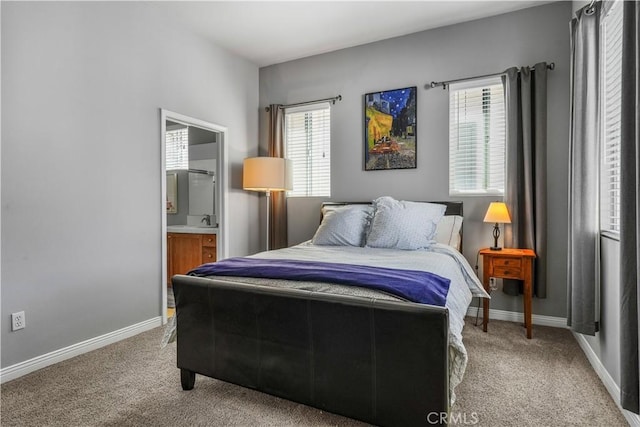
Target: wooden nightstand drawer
x: 209, y: 240
x: 508, y: 272
x: 507, y: 262
x: 208, y: 255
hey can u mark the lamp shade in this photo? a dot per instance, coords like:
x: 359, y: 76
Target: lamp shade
x: 497, y: 213
x: 267, y: 174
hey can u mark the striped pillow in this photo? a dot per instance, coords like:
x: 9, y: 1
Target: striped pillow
x: 404, y: 225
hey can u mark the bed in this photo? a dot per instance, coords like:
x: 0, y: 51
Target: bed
x: 367, y: 353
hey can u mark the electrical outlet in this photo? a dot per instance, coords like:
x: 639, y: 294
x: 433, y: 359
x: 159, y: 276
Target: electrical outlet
x: 18, y: 321
x: 493, y: 283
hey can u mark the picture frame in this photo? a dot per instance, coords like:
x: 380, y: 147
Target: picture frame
x: 172, y: 192
x: 390, y: 129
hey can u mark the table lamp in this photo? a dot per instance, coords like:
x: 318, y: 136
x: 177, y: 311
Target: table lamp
x: 498, y: 214
x: 267, y: 174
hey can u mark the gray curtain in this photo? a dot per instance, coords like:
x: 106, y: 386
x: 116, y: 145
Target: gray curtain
x: 629, y: 208
x: 278, y: 214
x: 583, y: 272
x: 526, y: 192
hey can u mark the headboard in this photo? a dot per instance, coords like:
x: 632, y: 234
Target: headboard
x: 453, y: 208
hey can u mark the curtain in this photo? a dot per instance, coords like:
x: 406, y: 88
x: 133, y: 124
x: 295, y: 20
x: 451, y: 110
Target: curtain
x: 278, y: 207
x: 629, y: 199
x: 583, y: 264
x: 526, y: 192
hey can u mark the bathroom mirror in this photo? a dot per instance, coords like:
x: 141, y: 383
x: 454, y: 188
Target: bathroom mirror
x: 191, y: 158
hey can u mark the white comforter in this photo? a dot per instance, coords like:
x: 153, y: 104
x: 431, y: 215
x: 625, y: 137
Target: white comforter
x: 440, y: 259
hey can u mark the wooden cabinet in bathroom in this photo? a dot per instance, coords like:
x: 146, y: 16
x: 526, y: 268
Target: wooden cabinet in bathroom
x: 209, y: 250
x: 186, y: 251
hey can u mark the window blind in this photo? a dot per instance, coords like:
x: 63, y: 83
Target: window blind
x: 477, y: 138
x: 308, y: 146
x: 611, y: 103
x: 177, y: 149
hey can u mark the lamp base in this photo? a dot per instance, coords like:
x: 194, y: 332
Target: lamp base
x: 496, y: 234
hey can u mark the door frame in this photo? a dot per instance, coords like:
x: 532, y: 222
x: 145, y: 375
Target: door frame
x: 221, y: 198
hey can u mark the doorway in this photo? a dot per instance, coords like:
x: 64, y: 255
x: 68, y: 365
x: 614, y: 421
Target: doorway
x: 194, y: 187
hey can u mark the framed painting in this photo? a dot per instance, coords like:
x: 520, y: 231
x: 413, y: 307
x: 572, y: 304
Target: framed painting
x: 172, y: 193
x: 390, y: 129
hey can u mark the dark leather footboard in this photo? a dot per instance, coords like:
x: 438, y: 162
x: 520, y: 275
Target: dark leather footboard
x: 382, y: 362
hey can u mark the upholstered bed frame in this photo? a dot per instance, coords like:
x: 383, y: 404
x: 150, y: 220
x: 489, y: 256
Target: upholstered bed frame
x: 382, y: 362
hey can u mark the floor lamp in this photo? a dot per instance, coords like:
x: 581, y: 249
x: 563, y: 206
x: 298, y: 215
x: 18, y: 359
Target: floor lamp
x: 267, y: 174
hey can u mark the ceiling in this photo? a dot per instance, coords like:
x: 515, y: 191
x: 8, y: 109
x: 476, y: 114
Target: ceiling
x: 271, y: 32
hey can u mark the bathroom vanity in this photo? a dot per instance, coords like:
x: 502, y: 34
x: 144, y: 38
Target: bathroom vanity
x: 189, y: 247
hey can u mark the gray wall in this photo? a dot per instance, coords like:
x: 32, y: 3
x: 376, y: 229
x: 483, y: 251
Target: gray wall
x: 606, y: 342
x: 473, y: 48
x: 82, y: 84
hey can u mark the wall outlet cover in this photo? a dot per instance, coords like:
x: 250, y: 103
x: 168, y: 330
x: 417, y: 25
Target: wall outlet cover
x: 18, y: 321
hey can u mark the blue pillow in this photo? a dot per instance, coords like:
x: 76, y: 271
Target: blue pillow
x: 404, y: 225
x: 344, y: 226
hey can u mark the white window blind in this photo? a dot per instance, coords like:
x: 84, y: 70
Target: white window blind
x: 477, y: 138
x: 177, y: 149
x: 611, y: 103
x: 308, y: 146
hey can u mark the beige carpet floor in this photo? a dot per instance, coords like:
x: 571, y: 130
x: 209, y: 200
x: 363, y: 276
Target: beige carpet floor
x: 510, y: 381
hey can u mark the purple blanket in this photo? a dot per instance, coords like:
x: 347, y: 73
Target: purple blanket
x: 416, y: 286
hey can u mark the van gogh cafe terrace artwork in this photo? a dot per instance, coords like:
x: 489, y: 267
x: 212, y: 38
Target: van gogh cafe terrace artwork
x: 390, y: 129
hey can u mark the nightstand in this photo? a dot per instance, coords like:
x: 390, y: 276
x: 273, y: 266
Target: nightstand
x: 509, y: 264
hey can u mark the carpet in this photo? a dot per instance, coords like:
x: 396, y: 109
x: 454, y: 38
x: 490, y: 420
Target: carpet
x: 510, y: 381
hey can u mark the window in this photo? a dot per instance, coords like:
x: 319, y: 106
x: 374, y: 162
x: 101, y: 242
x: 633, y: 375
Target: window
x: 308, y: 146
x: 177, y: 148
x: 611, y: 68
x: 477, y: 138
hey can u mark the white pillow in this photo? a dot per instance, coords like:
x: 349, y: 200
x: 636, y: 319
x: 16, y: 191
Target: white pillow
x: 448, y: 231
x: 404, y: 225
x: 343, y: 226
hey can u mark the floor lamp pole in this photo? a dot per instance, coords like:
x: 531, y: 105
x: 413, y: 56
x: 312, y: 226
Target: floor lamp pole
x: 268, y: 194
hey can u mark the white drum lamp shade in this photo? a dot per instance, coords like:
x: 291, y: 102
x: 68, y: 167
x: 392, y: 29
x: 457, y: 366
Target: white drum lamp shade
x: 267, y: 174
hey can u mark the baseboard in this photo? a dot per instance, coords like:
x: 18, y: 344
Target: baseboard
x: 512, y: 316
x: 19, y: 369
x: 609, y: 383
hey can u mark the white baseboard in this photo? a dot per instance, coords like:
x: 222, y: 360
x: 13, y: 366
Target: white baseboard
x: 19, y: 369
x: 512, y: 316
x: 609, y: 383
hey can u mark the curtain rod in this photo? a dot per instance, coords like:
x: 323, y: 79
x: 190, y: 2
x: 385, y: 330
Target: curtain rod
x: 333, y: 101
x: 444, y: 84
